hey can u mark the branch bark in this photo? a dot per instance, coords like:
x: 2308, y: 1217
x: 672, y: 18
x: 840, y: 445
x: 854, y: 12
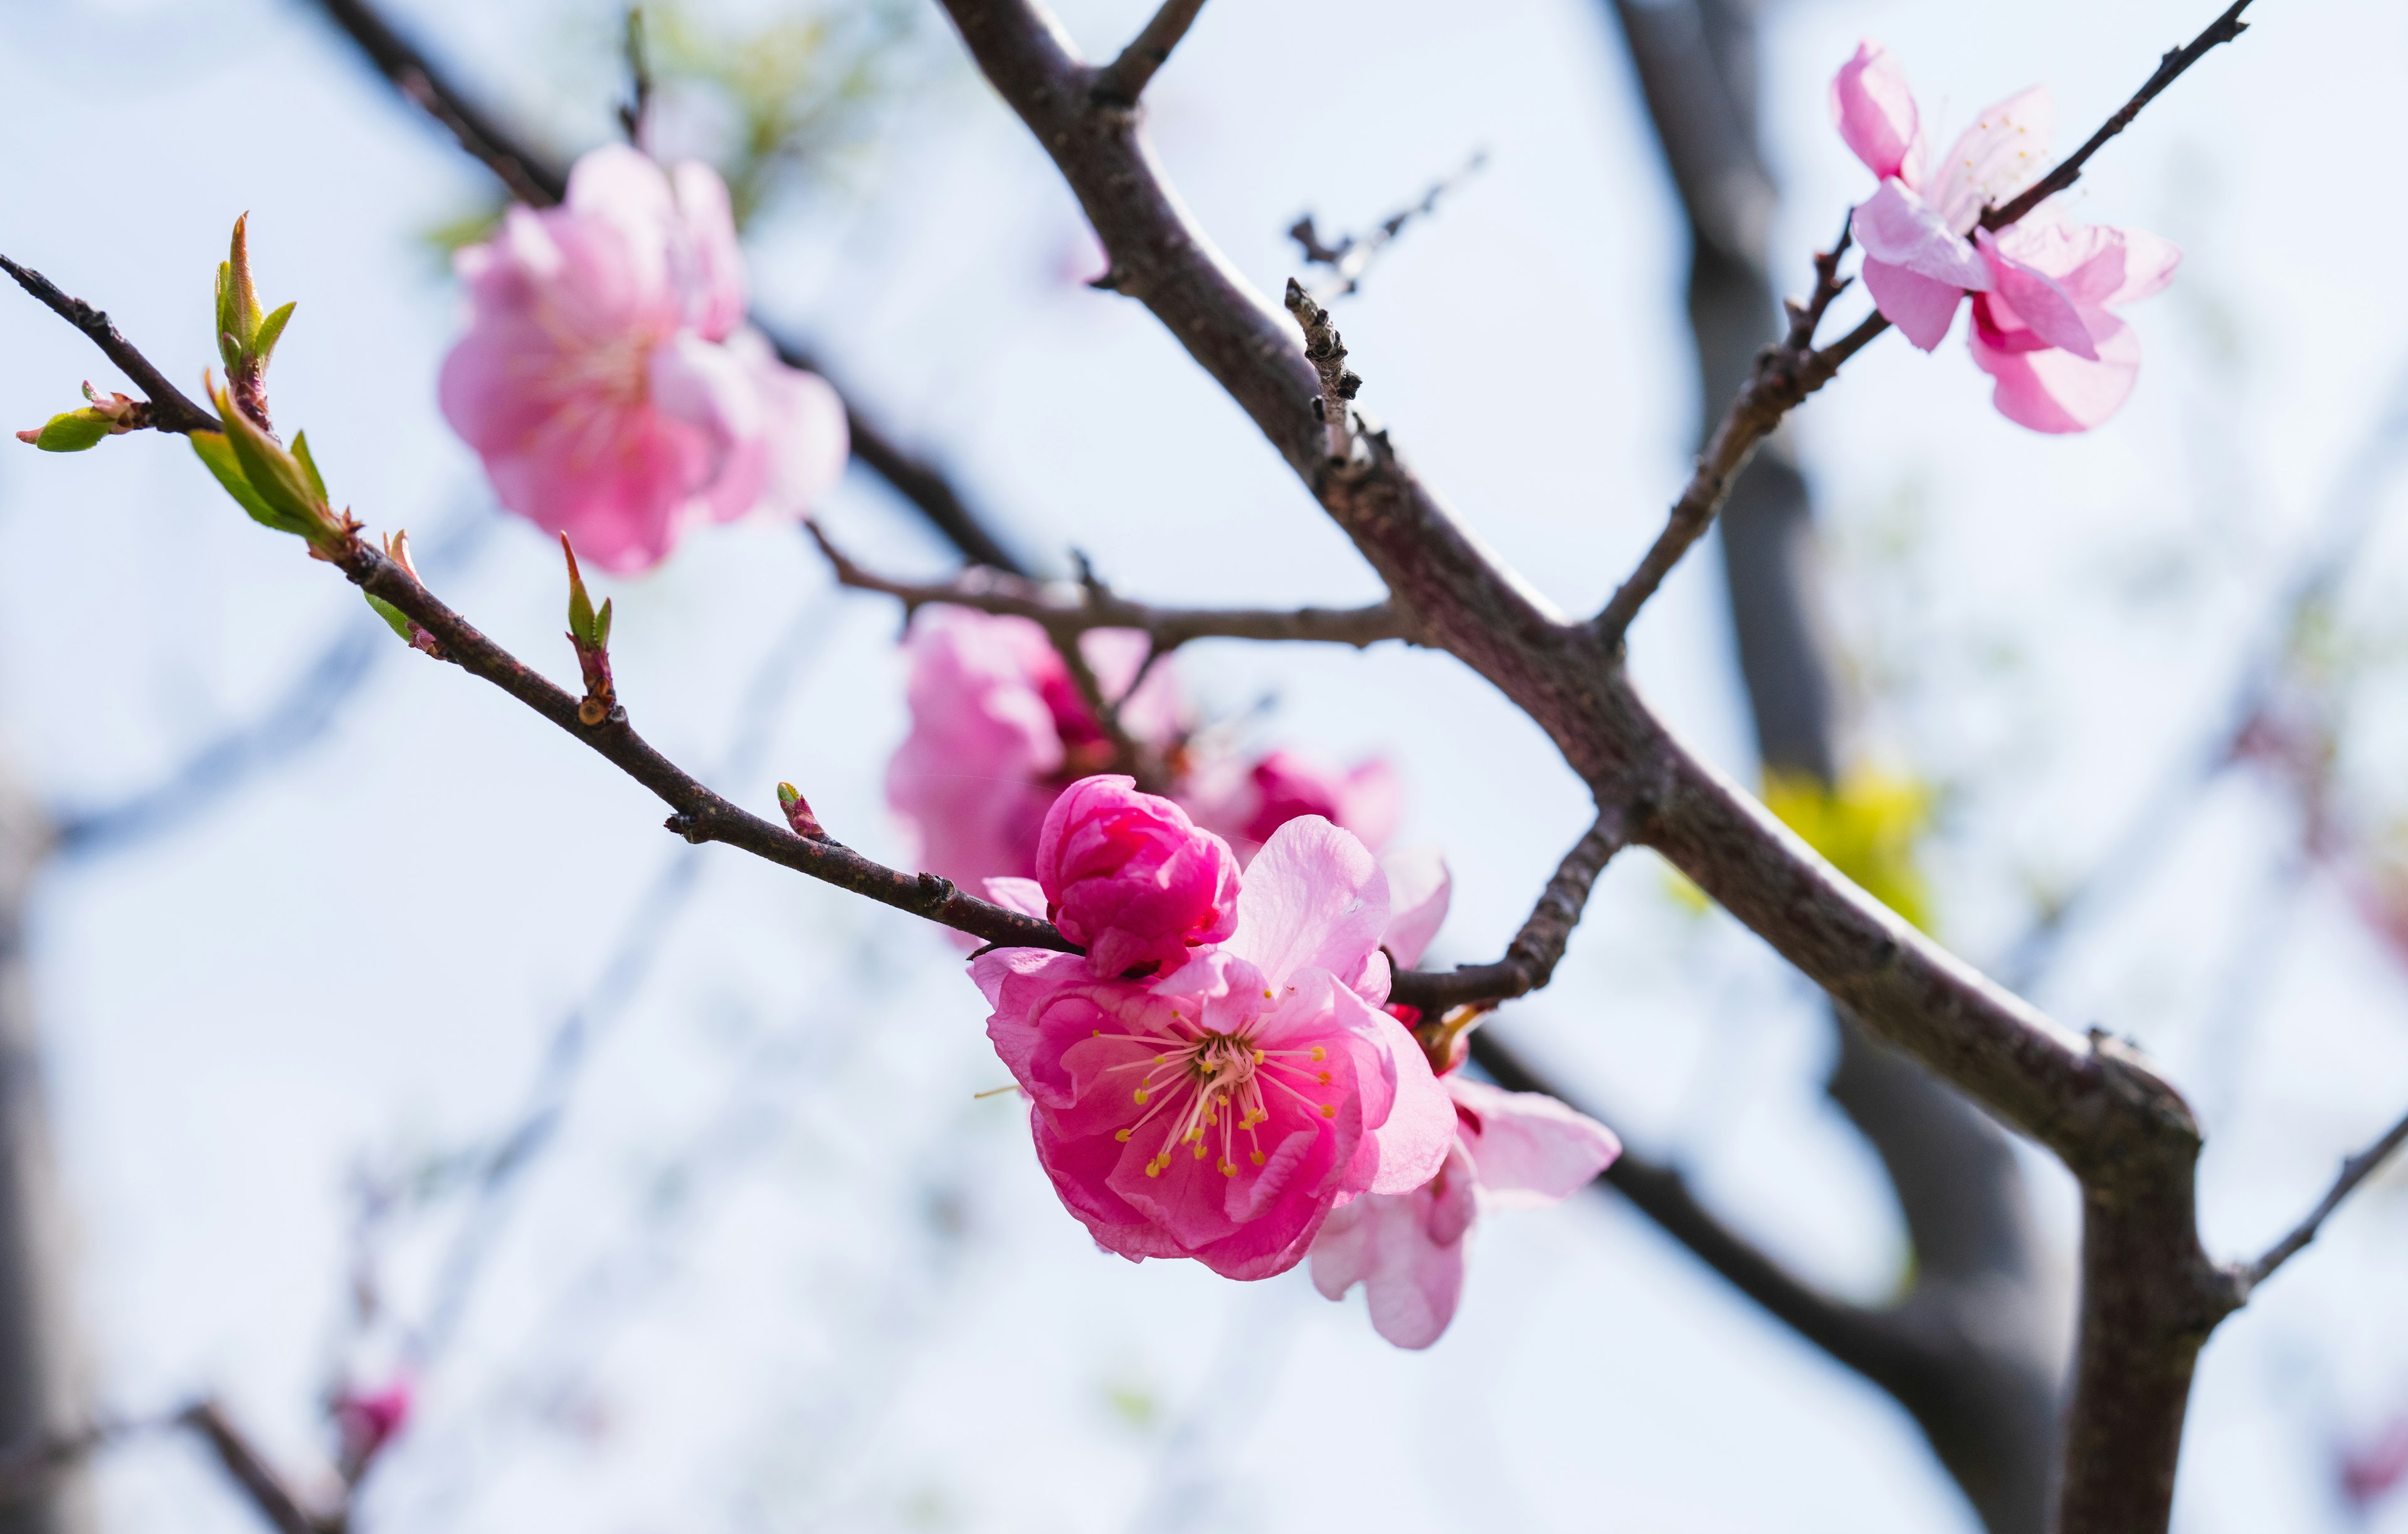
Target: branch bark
x: 1532, y: 958
x: 1125, y: 79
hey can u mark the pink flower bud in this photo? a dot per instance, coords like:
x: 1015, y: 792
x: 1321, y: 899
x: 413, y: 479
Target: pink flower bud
x: 1129, y: 877
x: 369, y: 1420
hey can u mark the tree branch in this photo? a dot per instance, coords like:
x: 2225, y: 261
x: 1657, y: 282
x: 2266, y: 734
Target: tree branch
x: 2224, y: 29
x: 1532, y: 958
x: 1064, y: 608
x: 1125, y: 79
x: 2354, y: 1172
x: 537, y: 179
x: 260, y: 1481
x: 168, y: 409
x: 1351, y: 257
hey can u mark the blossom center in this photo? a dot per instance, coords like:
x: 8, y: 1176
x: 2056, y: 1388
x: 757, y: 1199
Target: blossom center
x: 1209, y: 1090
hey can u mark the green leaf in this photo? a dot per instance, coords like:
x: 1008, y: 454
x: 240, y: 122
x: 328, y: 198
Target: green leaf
x: 219, y: 454
x: 269, y: 330
x: 73, y: 431
x: 229, y: 350
x: 275, y: 475
x: 301, y: 452
x: 241, y: 305
x: 393, y: 615
x: 602, y: 627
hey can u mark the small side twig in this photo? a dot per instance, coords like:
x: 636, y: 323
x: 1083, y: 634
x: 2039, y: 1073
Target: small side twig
x: 260, y: 1481
x: 1350, y: 258
x: 1125, y: 79
x: 2354, y: 1173
x: 1532, y: 958
x: 167, y: 409
x: 636, y: 109
x: 1335, y: 404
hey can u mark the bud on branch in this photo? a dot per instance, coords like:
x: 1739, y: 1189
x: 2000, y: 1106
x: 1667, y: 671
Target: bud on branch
x: 590, y: 632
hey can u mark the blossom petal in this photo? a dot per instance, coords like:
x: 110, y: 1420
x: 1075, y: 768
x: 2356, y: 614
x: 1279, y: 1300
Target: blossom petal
x: 1313, y: 897
x: 1412, y: 1142
x: 706, y: 263
x: 1531, y: 1148
x: 1419, y: 890
x: 2055, y: 391
x: 1895, y: 225
x: 1024, y: 895
x: 1921, y: 308
x: 2000, y: 154
x: 2046, y: 308
x: 1874, y: 111
x: 1407, y: 1249
x: 2149, y: 263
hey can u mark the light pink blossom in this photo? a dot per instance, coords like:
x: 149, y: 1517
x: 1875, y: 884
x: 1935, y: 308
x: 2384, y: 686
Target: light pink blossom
x: 1131, y: 879
x: 2062, y: 362
x: 1246, y: 802
x: 608, y: 379
x: 370, y: 1419
x: 999, y: 730
x: 1221, y: 1112
x: 1513, y: 1149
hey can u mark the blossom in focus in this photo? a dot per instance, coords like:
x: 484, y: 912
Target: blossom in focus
x: 2042, y: 289
x: 1222, y: 1110
x: 1129, y: 877
x: 1510, y: 1150
x: 1246, y: 802
x: 608, y: 377
x: 998, y: 729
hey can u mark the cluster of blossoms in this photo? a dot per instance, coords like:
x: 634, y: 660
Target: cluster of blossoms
x: 2042, y: 289
x: 1218, y: 1077
x: 608, y: 378
x: 999, y: 729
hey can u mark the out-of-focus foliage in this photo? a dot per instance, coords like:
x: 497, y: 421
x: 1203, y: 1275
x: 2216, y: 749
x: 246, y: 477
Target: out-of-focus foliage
x: 1868, y: 825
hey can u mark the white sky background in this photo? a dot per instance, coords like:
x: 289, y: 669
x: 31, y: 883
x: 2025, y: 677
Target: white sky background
x: 780, y: 1270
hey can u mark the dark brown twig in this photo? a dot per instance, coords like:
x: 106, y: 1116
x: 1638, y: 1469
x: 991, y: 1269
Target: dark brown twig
x: 2354, y: 1172
x: 1532, y: 958
x: 260, y: 1481
x: 1334, y: 407
x: 168, y: 410
x: 1122, y: 81
x: 1351, y: 257
x: 2224, y: 29
x: 1063, y: 608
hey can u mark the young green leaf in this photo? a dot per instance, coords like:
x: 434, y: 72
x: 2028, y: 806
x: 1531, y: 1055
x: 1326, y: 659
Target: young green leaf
x: 241, y: 305
x: 73, y: 431
x: 309, y: 464
x: 263, y: 346
x: 218, y: 453
x: 393, y: 616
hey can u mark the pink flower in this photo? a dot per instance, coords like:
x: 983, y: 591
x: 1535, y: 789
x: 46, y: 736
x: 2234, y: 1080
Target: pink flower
x: 998, y: 729
x: 2041, y: 290
x: 1128, y: 876
x: 1513, y: 1149
x: 2063, y: 364
x: 369, y: 1419
x: 1247, y: 804
x: 1221, y: 1112
x: 608, y: 379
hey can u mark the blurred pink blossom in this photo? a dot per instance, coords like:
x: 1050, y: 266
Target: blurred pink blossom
x: 1131, y: 879
x: 608, y: 377
x: 999, y: 730
x: 2374, y: 1473
x: 1221, y: 1112
x: 370, y: 1419
x: 1246, y: 802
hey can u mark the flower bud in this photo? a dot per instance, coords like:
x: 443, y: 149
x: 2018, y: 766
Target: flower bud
x: 1128, y: 876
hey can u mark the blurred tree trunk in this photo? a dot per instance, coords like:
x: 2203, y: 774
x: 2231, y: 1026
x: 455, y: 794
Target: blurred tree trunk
x: 39, y: 1391
x: 1989, y: 1323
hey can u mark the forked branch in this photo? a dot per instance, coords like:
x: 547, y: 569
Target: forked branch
x: 1123, y: 80
x: 2354, y: 1173
x: 1532, y: 958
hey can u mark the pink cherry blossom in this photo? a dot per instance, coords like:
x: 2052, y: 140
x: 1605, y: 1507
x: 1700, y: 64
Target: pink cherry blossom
x: 2062, y: 362
x: 1129, y: 877
x: 998, y: 729
x: 1221, y: 1112
x: 608, y: 379
x: 1246, y: 802
x: 369, y: 1419
x: 1513, y: 1149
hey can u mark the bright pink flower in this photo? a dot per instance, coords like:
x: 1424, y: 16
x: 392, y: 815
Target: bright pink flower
x: 1129, y: 877
x: 369, y: 1419
x: 1513, y: 1150
x: 998, y: 729
x: 2062, y: 362
x: 1221, y: 1112
x: 608, y: 379
x: 1247, y: 804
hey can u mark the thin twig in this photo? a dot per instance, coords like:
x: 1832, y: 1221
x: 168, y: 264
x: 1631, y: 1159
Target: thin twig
x: 2224, y: 29
x: 1063, y: 608
x: 2354, y: 1172
x: 1334, y: 407
x: 1532, y: 958
x: 1350, y: 258
x: 260, y: 1481
x: 169, y: 410
x: 1125, y: 79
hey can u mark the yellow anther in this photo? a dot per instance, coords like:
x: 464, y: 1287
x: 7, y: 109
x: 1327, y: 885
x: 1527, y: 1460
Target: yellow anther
x: 1259, y: 1057
x: 1329, y: 1111
x: 1199, y: 1152
x: 1319, y: 1053
x: 1256, y: 1158
x: 1124, y: 1136
x: 1228, y: 1170
x: 1267, y: 995
x: 1140, y: 1094
x: 1323, y: 1078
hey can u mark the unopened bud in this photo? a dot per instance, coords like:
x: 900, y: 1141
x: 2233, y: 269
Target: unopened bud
x: 799, y: 813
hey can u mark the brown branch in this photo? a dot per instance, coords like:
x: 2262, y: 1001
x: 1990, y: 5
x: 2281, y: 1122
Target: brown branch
x: 167, y: 409
x: 1334, y: 406
x: 1532, y: 958
x: 1063, y: 608
x: 2224, y: 29
x: 27, y: 1468
x: 1351, y: 257
x: 260, y: 1481
x: 2354, y: 1171
x: 539, y: 180
x: 1123, y: 80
